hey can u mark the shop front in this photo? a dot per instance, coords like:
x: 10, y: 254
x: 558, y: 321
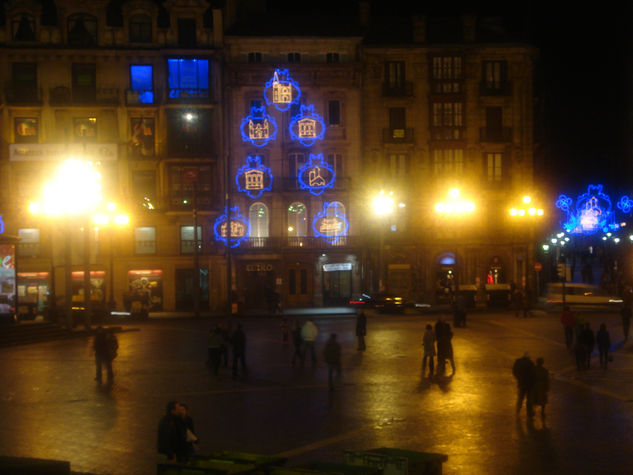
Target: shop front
x: 337, y: 283
x: 33, y: 294
x: 145, y: 285
x: 445, y: 277
x: 8, y: 296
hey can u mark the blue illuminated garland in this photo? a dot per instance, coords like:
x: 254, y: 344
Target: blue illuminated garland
x: 1, y: 225
x: 625, y: 204
x: 254, y: 178
x: 258, y: 127
x: 592, y: 213
x: 307, y: 127
x: 239, y: 227
x: 316, y: 175
x: 281, y: 90
x: 330, y: 224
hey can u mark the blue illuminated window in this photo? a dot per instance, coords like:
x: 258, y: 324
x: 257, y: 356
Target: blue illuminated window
x: 142, y: 83
x: 188, y: 78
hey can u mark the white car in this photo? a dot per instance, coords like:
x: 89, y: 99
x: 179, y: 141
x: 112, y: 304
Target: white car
x: 578, y: 295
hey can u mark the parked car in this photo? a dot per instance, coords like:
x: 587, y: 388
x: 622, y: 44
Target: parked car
x: 383, y: 302
x: 578, y: 295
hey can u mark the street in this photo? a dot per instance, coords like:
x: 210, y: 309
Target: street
x: 52, y: 407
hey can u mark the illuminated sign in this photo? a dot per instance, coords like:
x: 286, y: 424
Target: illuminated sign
x: 307, y: 127
x: 282, y: 91
x: 316, y: 175
x: 331, y: 223
x: 591, y: 213
x: 239, y: 227
x: 337, y: 267
x: 254, y: 178
x: 258, y: 128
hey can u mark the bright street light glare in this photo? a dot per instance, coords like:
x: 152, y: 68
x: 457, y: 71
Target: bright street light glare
x: 513, y: 212
x: 100, y: 219
x: 121, y: 219
x: 383, y: 204
x: 453, y: 193
x: 75, y: 189
x: 527, y: 200
x: 539, y: 212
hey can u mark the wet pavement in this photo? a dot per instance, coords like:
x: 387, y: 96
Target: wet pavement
x: 52, y: 407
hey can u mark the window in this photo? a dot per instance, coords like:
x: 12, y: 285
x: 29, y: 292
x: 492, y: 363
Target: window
x: 294, y: 162
x: 398, y: 166
x: 141, y: 84
x: 187, y: 33
x: 84, y: 82
x: 448, y: 161
x: 494, y: 75
x: 294, y: 57
x: 24, y: 27
x: 188, y: 133
x: 397, y: 122
x: 297, y: 220
x: 494, y: 122
x: 336, y: 162
x: 447, y: 74
x: 181, y: 186
x: 394, y: 74
x: 140, y: 29
x: 495, y: 167
x: 26, y: 129
x: 29, y: 244
x: 447, y: 120
x: 142, y: 142
x: 144, y: 187
x: 145, y: 240
x: 23, y: 87
x: 85, y: 129
x: 334, y: 112
x: 258, y: 220
x: 255, y: 57
x: 332, y: 231
x: 188, y: 78
x: 187, y: 239
x: 82, y: 30
x: 332, y: 58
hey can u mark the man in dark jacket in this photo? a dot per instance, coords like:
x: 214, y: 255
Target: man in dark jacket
x: 105, y: 346
x: 361, y: 329
x: 172, y: 434
x: 332, y: 356
x: 588, y: 341
x: 524, y: 372
x: 238, y: 342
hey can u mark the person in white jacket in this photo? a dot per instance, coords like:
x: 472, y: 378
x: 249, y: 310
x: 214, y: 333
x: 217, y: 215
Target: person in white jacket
x: 309, y: 333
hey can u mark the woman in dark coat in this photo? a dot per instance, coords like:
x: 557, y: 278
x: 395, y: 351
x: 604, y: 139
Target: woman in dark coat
x: 604, y: 345
x: 541, y: 385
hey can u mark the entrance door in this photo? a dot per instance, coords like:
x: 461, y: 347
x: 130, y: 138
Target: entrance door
x: 259, y: 286
x: 299, y: 286
x: 337, y: 287
x: 185, y: 290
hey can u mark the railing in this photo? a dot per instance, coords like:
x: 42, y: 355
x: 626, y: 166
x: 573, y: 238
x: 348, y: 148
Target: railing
x: 144, y: 247
x: 188, y: 95
x: 142, y: 97
x: 64, y: 95
x: 307, y: 242
x: 447, y: 133
x: 397, y: 135
x: 26, y: 95
x: 504, y: 134
x: 503, y: 88
x: 404, y: 89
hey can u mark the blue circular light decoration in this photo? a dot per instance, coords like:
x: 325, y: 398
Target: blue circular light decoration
x: 281, y: 90
x: 625, y: 204
x: 258, y: 128
x: 592, y: 212
x: 239, y: 228
x: 254, y: 178
x: 330, y: 224
x: 316, y: 175
x: 307, y: 127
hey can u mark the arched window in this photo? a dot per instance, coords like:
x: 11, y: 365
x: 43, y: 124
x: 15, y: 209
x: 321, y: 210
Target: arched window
x: 337, y: 208
x: 297, y: 220
x: 258, y: 218
x: 24, y: 27
x: 140, y: 29
x: 82, y: 29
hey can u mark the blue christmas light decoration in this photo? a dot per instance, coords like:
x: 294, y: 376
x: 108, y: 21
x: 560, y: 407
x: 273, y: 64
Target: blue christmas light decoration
x: 282, y: 91
x: 307, y: 127
x: 316, y: 175
x: 625, y: 204
x: 258, y: 127
x: 254, y: 178
x: 592, y: 212
x: 239, y: 227
x: 1, y: 225
x: 331, y: 223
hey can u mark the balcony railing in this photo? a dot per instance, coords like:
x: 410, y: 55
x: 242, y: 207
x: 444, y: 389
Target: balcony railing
x: 308, y: 242
x: 447, y: 133
x: 504, y: 134
x: 404, y: 89
x: 397, y: 135
x: 64, y: 95
x: 23, y: 95
x: 144, y: 97
x: 503, y: 88
x: 188, y: 95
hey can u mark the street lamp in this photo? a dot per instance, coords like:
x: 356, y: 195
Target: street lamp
x: 527, y: 212
x: 383, y: 205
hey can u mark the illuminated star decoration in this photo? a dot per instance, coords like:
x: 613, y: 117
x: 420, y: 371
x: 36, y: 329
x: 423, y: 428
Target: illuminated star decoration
x: 625, y: 204
x: 331, y: 223
x: 239, y: 227
x: 281, y: 90
x: 307, y: 127
x: 254, y: 178
x: 592, y: 213
x: 258, y: 127
x: 316, y: 175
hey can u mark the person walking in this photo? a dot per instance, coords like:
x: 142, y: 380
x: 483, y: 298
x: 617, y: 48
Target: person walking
x: 541, y: 385
x: 214, y: 348
x: 105, y: 346
x: 448, y: 346
x: 172, y: 434
x: 428, y: 341
x: 224, y: 347
x: 297, y: 341
x: 604, y: 345
x: 309, y: 333
x: 526, y: 300
x: 568, y: 320
x: 459, y: 319
x: 361, y: 329
x: 285, y: 331
x: 517, y: 301
x: 523, y: 371
x: 238, y: 344
x: 625, y: 312
x: 332, y: 356
x: 589, y: 341
x: 439, y: 336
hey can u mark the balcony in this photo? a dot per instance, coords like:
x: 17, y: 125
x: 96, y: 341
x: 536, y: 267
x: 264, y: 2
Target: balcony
x: 503, y: 88
x: 308, y: 242
x: 497, y: 135
x: 189, y: 96
x: 64, y: 96
x: 142, y: 98
x: 397, y: 135
x: 448, y: 133
x: 23, y: 95
x: 404, y: 89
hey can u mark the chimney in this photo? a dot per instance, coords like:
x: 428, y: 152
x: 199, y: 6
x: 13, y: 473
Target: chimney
x: 419, y: 29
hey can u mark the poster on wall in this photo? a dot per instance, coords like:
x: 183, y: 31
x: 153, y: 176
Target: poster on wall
x: 85, y: 129
x: 7, y: 279
x: 142, y: 142
x: 26, y: 129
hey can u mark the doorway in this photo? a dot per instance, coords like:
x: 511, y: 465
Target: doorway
x: 185, y: 289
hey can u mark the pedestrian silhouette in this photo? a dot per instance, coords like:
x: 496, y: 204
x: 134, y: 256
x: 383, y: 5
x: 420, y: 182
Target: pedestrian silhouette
x: 297, y: 341
x: 172, y: 434
x: 332, y: 356
x: 541, y: 385
x: 309, y: 333
x: 105, y: 346
x: 625, y: 312
x: 361, y: 329
x: 568, y: 320
x: 428, y: 341
x: 588, y: 342
x: 238, y: 344
x: 214, y: 348
x: 604, y: 345
x: 523, y: 371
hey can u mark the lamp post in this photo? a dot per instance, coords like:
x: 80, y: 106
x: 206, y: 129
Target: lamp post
x: 528, y: 212
x: 382, y: 207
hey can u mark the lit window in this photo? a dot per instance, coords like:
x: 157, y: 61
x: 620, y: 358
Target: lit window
x: 145, y: 240
x: 447, y: 74
x: 188, y: 78
x: 495, y: 167
x: 142, y: 83
x: 297, y: 220
x: 29, y: 244
x: 187, y: 239
x: 258, y: 220
x: 448, y: 161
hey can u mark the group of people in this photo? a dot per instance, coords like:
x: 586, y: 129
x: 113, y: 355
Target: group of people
x: 585, y: 340
x: 440, y: 337
x: 532, y: 384
x: 177, y: 439
x: 219, y: 340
